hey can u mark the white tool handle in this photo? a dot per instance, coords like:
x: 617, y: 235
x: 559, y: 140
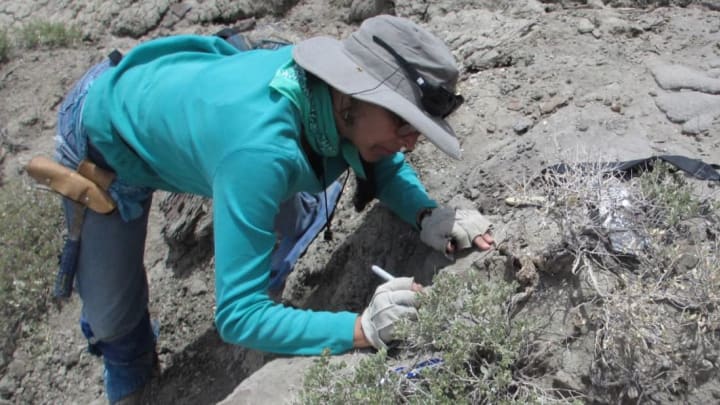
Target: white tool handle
x: 382, y: 273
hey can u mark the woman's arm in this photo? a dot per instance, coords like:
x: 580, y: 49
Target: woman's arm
x: 248, y: 188
x: 399, y: 187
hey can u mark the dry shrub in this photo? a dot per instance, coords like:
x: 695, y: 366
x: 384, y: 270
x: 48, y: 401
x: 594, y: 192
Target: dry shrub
x: 465, y: 336
x: 656, y: 325
x: 658, y: 330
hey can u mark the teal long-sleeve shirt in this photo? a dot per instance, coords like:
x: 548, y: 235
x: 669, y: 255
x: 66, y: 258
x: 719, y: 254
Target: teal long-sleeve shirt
x: 193, y: 114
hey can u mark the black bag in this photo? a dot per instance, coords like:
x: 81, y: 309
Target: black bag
x: 631, y: 168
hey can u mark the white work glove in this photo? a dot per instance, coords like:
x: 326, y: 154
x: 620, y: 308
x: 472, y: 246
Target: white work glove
x: 391, y: 302
x: 444, y: 224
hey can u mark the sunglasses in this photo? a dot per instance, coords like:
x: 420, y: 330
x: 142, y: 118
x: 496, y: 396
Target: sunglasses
x: 436, y: 100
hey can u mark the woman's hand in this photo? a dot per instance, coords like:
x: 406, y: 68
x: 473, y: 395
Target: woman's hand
x: 392, y: 301
x: 482, y: 242
x: 448, y: 230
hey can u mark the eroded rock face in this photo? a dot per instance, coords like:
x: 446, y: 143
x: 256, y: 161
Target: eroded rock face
x: 691, y: 96
x: 541, y: 80
x: 188, y: 230
x: 362, y: 9
x: 134, y: 18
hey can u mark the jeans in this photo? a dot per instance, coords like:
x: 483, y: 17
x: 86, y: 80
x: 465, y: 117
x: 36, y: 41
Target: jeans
x: 110, y: 275
x: 72, y: 145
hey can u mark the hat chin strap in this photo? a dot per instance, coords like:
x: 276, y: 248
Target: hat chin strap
x: 341, y: 113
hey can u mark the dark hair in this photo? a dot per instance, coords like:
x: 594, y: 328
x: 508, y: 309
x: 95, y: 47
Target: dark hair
x: 365, y: 190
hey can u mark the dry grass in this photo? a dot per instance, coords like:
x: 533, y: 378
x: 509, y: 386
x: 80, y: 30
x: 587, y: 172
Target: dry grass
x: 38, y: 34
x: 46, y: 34
x: 30, y: 238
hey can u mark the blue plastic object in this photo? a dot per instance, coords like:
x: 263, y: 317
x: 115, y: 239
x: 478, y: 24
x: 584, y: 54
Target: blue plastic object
x: 415, y: 371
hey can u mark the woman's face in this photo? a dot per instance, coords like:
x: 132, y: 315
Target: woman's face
x: 375, y: 131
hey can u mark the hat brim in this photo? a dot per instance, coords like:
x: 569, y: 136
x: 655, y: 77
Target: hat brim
x: 325, y: 58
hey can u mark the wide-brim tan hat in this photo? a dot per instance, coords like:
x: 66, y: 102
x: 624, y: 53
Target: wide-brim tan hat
x: 362, y: 68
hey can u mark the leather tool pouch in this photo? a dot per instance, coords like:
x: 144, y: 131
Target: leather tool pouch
x: 87, y: 186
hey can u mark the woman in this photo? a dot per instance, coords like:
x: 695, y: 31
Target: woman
x: 251, y: 130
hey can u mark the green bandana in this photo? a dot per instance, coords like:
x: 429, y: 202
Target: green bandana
x: 315, y: 105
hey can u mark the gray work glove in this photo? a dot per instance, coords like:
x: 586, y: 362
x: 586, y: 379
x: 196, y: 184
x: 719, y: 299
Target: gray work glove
x: 444, y: 224
x: 391, y: 302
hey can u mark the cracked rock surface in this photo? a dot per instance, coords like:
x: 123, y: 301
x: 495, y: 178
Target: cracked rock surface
x: 543, y: 81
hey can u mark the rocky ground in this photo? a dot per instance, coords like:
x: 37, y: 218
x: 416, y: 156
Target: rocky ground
x: 544, y: 82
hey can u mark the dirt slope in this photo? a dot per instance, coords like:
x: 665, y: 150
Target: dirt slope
x: 544, y: 81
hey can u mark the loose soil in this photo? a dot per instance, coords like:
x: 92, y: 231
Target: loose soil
x: 544, y: 82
